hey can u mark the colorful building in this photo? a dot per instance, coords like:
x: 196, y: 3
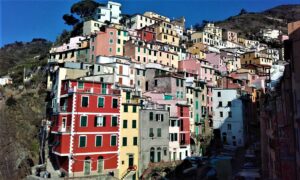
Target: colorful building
x: 85, y: 130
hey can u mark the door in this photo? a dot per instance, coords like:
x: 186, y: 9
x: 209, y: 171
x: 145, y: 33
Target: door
x: 158, y: 156
x: 146, y: 85
x: 130, y: 161
x: 64, y: 124
x: 100, y: 165
x: 87, y: 167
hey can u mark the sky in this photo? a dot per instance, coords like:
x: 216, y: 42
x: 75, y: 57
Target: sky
x: 23, y: 20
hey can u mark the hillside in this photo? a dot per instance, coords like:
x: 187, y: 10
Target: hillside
x: 20, y: 54
x: 249, y: 23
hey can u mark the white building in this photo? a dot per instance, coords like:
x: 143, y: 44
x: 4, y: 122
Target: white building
x: 228, y: 116
x: 111, y: 12
x: 122, y: 71
x: 269, y: 34
x: 139, y: 21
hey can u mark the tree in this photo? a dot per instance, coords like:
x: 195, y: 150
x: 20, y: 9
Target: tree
x: 70, y: 19
x: 243, y: 11
x: 84, y: 8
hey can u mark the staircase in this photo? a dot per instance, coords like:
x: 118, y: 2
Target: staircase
x: 129, y: 173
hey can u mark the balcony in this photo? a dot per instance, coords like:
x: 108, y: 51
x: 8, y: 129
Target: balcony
x: 63, y: 108
x: 62, y: 129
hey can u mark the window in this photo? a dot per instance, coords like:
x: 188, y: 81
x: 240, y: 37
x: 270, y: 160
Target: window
x: 197, y: 104
x: 113, y: 140
x: 124, y: 141
x: 134, y: 108
x: 111, y: 33
x: 82, y: 141
x: 229, y: 104
x: 221, y: 114
x: 229, y: 127
x: 158, y: 132
x: 100, y: 102
x: 100, y: 121
x: 80, y: 85
x: 151, y: 134
x: 83, y: 121
x: 139, y: 49
x: 125, y: 108
x: 110, y: 50
x: 84, y: 101
x: 125, y: 124
x: 155, y: 82
x: 177, y: 82
x: 220, y: 103
x: 98, y: 141
x: 133, y: 124
x: 114, y: 121
x: 151, y: 116
x: 119, y: 50
x: 119, y: 32
x: 229, y: 114
x: 119, y: 41
x: 219, y: 94
x: 135, y: 139
x: 111, y: 41
x: 115, y: 103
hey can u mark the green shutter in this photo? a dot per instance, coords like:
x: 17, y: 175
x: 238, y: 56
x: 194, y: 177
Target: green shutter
x: 151, y: 116
x: 133, y: 123
x: 125, y: 108
x: 98, y: 140
x: 113, y: 141
x: 134, y: 109
x: 114, y: 121
x: 103, y: 88
x: 85, y: 102
x: 82, y: 141
x: 124, y: 123
x: 104, y: 121
x: 115, y: 103
x: 83, y: 121
x: 100, y: 102
x: 158, y: 132
x: 80, y: 85
x: 127, y: 95
x: 135, y: 141
x: 124, y: 141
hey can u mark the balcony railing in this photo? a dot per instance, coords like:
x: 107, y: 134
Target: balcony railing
x: 94, y: 90
x: 63, y: 108
x: 62, y: 129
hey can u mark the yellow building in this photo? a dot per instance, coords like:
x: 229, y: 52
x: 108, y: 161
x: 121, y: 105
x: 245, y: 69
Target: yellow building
x: 166, y: 33
x: 256, y: 58
x: 129, y: 136
x: 198, y: 49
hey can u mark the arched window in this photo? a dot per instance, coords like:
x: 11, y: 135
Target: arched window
x: 152, y: 154
x: 87, y: 166
x: 100, y: 164
x: 158, y: 154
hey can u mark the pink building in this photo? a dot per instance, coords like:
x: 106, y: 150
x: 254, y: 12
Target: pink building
x: 215, y: 60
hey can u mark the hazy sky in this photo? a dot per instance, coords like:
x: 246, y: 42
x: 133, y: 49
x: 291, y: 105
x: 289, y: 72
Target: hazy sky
x: 22, y: 20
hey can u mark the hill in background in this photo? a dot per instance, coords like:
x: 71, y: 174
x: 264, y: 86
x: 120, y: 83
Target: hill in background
x: 247, y: 23
x: 17, y: 55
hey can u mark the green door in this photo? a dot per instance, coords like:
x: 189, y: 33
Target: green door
x: 100, y: 165
x: 130, y: 160
x: 87, y: 167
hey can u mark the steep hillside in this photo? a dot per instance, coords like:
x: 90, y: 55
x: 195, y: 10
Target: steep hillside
x: 248, y: 23
x: 20, y: 54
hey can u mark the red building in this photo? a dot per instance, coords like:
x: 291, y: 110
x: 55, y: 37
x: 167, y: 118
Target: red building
x: 184, y: 125
x: 147, y: 33
x: 85, y: 130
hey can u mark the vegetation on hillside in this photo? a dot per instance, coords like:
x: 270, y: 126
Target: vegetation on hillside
x: 248, y: 24
x: 22, y: 109
x: 14, y: 57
